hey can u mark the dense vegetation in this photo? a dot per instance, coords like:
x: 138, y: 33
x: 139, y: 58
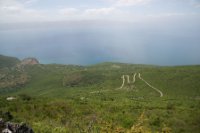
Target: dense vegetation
x: 6, y: 61
x: 12, y: 75
x: 69, y: 98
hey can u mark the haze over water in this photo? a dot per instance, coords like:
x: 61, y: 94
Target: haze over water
x: 142, y: 32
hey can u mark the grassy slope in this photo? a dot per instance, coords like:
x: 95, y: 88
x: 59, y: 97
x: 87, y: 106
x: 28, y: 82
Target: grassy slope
x: 11, y: 76
x: 74, y: 108
x: 6, y: 61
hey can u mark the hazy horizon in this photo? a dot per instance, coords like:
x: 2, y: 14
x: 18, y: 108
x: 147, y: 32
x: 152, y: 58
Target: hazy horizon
x: 75, y: 32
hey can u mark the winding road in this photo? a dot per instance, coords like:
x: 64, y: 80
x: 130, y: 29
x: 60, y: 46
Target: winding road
x: 161, y: 94
x: 123, y: 81
x: 128, y: 80
x: 134, y: 79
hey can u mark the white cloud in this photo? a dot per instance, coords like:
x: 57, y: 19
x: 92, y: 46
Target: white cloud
x: 5, y: 4
x: 100, y: 11
x: 23, y: 11
x: 30, y: 1
x: 68, y: 11
x: 18, y: 11
x: 11, y: 9
x: 120, y: 3
x: 110, y: 13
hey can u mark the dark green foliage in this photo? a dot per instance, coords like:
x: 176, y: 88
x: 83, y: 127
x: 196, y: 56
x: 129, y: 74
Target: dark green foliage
x: 7, y: 116
x: 25, y: 97
x: 6, y: 61
x: 170, y: 106
x: 82, y: 78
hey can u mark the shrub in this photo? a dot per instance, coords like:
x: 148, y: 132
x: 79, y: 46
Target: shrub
x: 25, y: 97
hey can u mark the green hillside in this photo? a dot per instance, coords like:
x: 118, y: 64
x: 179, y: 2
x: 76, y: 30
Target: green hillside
x: 6, y: 61
x: 70, y: 98
x: 11, y: 75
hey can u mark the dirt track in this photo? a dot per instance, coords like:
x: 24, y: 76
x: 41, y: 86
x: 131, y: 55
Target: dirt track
x: 123, y: 81
x: 161, y: 94
x: 134, y: 79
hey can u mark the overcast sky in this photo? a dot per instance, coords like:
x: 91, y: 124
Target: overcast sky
x: 127, y: 10
x: 162, y: 32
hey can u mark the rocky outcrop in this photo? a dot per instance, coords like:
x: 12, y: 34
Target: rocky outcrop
x: 29, y: 61
x: 8, y: 127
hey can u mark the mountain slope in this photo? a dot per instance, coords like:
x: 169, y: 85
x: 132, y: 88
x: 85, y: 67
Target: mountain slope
x: 70, y: 98
x: 181, y: 80
x: 6, y: 61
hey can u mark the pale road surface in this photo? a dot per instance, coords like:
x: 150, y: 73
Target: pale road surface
x: 134, y: 77
x: 128, y: 79
x: 123, y: 78
x: 161, y: 94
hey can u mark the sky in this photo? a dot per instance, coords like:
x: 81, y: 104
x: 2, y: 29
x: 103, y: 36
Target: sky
x: 160, y: 32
